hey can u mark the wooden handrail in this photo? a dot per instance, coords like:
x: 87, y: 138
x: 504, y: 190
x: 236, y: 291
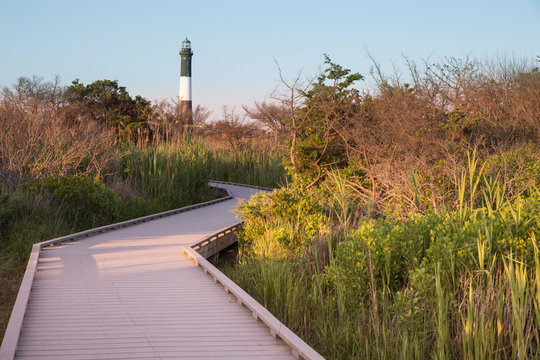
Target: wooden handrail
x: 210, y: 239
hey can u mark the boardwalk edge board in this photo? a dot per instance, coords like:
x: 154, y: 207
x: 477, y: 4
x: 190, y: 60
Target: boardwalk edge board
x: 300, y: 349
x: 217, y: 242
x: 13, y: 330
x: 243, y: 185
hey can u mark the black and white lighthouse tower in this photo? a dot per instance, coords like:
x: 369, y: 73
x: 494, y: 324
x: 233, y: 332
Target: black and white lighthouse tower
x: 184, y: 97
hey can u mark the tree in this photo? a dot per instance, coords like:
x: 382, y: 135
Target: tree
x: 35, y: 96
x: 316, y: 114
x: 329, y: 106
x: 111, y: 105
x: 170, y: 122
x: 272, y: 116
x: 38, y: 139
x: 235, y: 129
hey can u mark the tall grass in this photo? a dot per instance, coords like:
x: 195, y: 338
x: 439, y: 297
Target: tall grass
x: 249, y: 168
x: 173, y: 174
x: 489, y: 315
x: 252, y: 165
x: 462, y: 283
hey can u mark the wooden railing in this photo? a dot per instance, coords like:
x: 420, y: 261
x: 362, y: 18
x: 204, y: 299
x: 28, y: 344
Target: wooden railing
x: 211, y: 245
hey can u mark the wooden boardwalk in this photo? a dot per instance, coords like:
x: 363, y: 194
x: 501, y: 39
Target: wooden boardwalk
x: 133, y: 293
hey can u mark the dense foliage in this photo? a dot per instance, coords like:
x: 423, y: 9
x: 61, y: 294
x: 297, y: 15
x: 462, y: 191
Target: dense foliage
x: 108, y: 103
x: 410, y: 132
x: 410, y: 227
x: 423, y: 286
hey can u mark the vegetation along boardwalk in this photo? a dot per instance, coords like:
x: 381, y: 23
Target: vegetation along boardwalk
x: 137, y: 292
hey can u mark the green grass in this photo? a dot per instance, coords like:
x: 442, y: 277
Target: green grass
x: 11, y: 273
x: 159, y: 170
x: 348, y: 311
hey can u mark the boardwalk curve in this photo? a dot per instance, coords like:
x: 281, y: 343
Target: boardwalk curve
x: 130, y: 292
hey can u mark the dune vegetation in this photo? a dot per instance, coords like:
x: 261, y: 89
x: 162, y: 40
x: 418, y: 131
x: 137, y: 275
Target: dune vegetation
x: 410, y: 227
x: 405, y: 219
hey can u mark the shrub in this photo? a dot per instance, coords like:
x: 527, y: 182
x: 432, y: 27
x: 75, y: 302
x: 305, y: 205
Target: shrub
x: 11, y: 207
x: 87, y: 202
x: 285, y: 219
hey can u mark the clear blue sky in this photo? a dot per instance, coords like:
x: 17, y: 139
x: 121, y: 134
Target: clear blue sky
x: 235, y: 42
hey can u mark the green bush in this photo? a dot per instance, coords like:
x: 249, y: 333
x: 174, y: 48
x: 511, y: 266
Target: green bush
x: 87, y: 202
x: 400, y: 252
x: 11, y: 207
x: 390, y: 248
x: 284, y: 220
x: 442, y: 284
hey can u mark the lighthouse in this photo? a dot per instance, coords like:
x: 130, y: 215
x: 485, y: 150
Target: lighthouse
x: 184, y: 97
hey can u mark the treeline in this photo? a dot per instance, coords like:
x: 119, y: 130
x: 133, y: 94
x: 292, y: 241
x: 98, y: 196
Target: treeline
x: 49, y: 129
x: 410, y: 226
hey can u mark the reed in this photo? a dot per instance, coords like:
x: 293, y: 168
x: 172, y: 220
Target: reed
x: 462, y: 283
x: 251, y: 165
x: 173, y: 174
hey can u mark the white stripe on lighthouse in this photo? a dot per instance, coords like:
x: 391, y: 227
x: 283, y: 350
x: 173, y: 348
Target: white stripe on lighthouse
x: 185, y: 88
